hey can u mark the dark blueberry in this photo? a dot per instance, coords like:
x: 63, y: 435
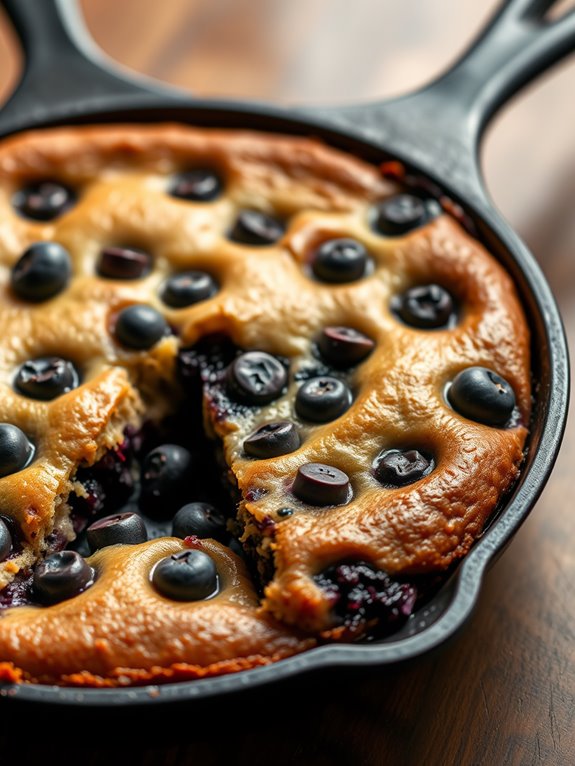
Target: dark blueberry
x: 186, y: 576
x: 319, y: 484
x: 398, y: 215
x: 123, y: 263
x: 140, y: 326
x: 394, y: 467
x: 343, y: 346
x: 46, y: 378
x: 339, y: 261
x: 165, y: 476
x: 107, y: 484
x: 125, y: 528
x: 90, y: 503
x: 43, y: 200
x: 236, y: 547
x: 360, y: 595
x: 253, y: 227
x: 322, y: 399
x: 187, y: 288
x: 272, y: 439
x: 426, y: 306
x: 284, y: 513
x: 16, y: 451
x: 5, y: 541
x: 480, y: 394
x: 16, y: 593
x: 198, y: 185
x: 200, y: 519
x: 256, y: 378
x: 42, y: 271
x: 61, y: 576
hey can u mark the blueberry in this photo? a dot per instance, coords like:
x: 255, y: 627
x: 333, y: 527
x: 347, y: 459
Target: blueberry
x: 344, y: 347
x: 256, y: 377
x: 253, y: 227
x: 198, y: 185
x: 480, y: 394
x: 187, y: 288
x: 201, y: 520
x: 16, y: 451
x: 123, y: 263
x: 322, y: 399
x: 398, y: 215
x: 360, y: 595
x: 339, y: 260
x: 272, y: 440
x: 186, y: 576
x: 140, y: 326
x: 396, y: 468
x: 108, y: 484
x: 236, y: 547
x: 61, y: 576
x: 42, y: 271
x: 46, y: 378
x: 43, y: 200
x: 125, y: 528
x: 5, y: 541
x: 320, y: 484
x: 165, y: 476
x: 425, y: 306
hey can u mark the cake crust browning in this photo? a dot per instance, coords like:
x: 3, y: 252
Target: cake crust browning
x: 120, y: 631
x: 121, y: 628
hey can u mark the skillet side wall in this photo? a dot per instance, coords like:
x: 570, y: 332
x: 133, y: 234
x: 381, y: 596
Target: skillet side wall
x: 550, y: 371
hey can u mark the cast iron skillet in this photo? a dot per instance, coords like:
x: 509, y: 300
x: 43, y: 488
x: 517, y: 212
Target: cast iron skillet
x: 436, y: 132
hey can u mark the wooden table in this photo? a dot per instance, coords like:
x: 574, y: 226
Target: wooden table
x: 502, y: 692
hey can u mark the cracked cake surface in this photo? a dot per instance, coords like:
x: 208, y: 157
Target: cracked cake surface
x: 253, y: 394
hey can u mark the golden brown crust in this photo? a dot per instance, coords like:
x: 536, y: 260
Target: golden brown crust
x: 400, y: 403
x: 72, y: 430
x: 266, y: 301
x: 118, y: 677
x: 122, y: 622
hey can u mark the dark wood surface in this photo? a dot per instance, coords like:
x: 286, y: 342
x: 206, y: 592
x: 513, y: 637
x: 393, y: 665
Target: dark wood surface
x: 502, y: 692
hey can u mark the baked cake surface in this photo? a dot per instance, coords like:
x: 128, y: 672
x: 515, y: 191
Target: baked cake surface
x: 352, y: 361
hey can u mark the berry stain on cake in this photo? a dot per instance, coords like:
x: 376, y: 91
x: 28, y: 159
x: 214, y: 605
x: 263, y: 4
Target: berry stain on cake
x: 360, y: 595
x: 258, y: 396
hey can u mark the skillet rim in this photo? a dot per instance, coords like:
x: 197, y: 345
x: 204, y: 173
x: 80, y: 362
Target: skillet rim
x: 548, y: 426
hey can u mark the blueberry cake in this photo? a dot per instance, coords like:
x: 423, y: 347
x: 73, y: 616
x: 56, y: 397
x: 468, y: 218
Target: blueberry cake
x: 256, y: 396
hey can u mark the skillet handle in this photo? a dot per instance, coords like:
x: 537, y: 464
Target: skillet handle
x: 65, y: 73
x: 439, y: 127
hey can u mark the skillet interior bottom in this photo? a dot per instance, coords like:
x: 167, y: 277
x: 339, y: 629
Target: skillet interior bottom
x: 257, y: 398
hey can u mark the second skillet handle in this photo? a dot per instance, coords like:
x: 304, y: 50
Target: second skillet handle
x: 65, y: 73
x: 439, y: 127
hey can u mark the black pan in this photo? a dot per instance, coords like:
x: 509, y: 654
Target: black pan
x: 436, y: 133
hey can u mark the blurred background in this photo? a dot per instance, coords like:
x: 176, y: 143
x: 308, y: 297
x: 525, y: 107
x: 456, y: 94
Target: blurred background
x: 342, y: 51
